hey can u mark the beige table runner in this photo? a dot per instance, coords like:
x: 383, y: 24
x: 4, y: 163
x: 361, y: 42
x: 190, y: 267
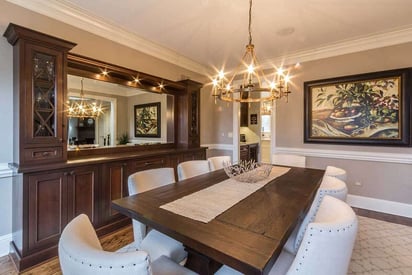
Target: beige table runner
x: 210, y: 202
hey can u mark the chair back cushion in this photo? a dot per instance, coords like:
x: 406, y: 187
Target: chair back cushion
x: 334, y: 187
x: 80, y: 252
x: 143, y: 181
x: 216, y: 163
x: 336, y: 172
x: 328, y: 241
x: 150, y: 179
x: 329, y: 186
x: 192, y: 168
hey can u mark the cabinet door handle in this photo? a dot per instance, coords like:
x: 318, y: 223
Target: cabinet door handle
x: 71, y: 173
x: 65, y: 173
x: 153, y: 163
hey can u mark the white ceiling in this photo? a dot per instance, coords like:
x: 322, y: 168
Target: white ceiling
x: 204, y: 34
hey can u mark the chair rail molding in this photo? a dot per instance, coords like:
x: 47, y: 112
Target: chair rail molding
x: 350, y: 155
x: 5, y: 171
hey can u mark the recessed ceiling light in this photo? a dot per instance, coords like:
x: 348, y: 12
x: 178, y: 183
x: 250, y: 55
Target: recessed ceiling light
x: 285, y: 31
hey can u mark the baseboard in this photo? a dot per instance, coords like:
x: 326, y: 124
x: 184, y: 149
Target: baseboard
x: 378, y: 205
x: 5, y: 244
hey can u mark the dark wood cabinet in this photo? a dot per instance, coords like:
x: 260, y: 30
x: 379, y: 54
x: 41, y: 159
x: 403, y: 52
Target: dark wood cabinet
x: 114, y: 186
x: 253, y: 151
x: 82, y: 193
x: 188, y: 104
x: 47, y: 209
x: 51, y: 185
x: 244, y: 152
x: 54, y: 198
x: 249, y: 152
x: 39, y: 92
x: 244, y: 111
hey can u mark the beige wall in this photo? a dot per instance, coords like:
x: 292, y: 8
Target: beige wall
x: 388, y: 181
x: 381, y: 180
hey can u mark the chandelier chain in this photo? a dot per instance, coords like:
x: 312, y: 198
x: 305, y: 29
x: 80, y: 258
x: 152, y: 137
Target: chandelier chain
x: 250, y: 22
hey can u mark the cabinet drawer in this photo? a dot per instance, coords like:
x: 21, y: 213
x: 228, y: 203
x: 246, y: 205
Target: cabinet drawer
x: 147, y: 163
x: 43, y: 154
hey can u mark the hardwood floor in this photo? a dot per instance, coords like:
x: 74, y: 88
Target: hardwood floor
x: 110, y: 242
x: 124, y: 236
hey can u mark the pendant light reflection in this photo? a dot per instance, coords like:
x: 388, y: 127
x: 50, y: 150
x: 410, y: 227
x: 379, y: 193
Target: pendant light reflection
x: 82, y: 108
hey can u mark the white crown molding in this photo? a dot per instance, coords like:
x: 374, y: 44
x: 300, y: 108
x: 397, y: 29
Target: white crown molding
x: 64, y: 12
x: 349, y: 155
x: 384, y: 206
x: 374, y: 41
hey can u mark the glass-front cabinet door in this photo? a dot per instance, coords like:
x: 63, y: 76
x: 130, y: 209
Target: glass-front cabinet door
x: 45, y: 98
x: 39, y: 62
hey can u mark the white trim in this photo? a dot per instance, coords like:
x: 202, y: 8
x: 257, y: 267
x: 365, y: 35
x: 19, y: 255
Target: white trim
x: 5, y: 171
x: 72, y: 15
x: 221, y: 146
x: 389, y: 207
x: 350, y: 155
x: 5, y: 244
x: 370, y: 42
x: 64, y: 12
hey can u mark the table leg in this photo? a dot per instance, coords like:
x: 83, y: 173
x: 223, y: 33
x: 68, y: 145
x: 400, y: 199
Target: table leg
x: 200, y: 263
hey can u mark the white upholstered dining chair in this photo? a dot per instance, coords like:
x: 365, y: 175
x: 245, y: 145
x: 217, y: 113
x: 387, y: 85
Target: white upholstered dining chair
x: 326, y: 247
x: 216, y: 163
x: 329, y: 186
x: 192, y: 168
x: 289, y: 160
x: 336, y: 172
x: 143, y: 181
x: 80, y: 252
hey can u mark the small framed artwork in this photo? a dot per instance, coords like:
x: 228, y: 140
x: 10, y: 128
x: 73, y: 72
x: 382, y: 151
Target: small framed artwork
x: 147, y: 120
x: 253, y: 119
x: 365, y: 109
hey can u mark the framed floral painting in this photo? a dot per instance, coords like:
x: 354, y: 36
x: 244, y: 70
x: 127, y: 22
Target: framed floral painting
x: 372, y: 109
x: 147, y: 120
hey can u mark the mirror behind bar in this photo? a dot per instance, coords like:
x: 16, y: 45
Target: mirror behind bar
x: 118, y: 91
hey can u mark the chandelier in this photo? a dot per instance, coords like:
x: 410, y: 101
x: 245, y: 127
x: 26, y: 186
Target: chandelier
x: 82, y: 108
x: 253, y: 84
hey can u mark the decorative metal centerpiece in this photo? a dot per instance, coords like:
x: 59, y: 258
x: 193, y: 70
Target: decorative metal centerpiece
x: 247, y: 171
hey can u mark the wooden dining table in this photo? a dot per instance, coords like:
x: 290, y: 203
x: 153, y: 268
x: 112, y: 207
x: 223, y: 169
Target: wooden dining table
x: 248, y: 237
